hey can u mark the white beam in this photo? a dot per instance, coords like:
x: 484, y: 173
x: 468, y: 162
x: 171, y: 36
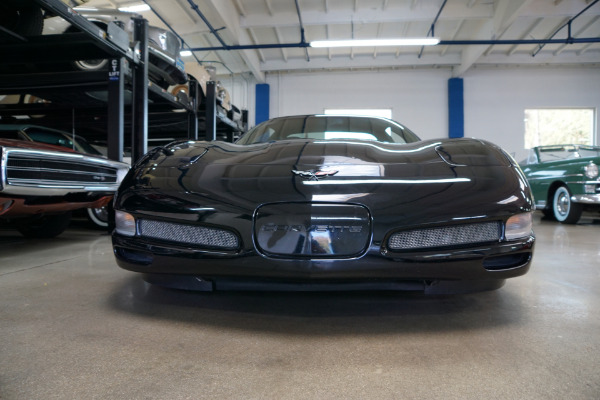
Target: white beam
x: 580, y: 32
x: 283, y: 51
x: 227, y: 13
x: 506, y: 13
x: 449, y: 61
x: 393, y: 14
x: 525, y: 35
x: 362, y: 61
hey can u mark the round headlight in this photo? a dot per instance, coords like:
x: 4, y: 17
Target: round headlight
x: 591, y: 170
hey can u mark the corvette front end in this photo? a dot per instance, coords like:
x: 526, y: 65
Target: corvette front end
x: 436, y: 216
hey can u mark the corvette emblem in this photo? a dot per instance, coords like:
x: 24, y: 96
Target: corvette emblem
x: 314, y: 175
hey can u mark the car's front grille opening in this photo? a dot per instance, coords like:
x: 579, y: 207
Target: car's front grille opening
x: 133, y: 256
x: 446, y: 236
x: 27, y: 170
x: 509, y: 261
x: 188, y: 234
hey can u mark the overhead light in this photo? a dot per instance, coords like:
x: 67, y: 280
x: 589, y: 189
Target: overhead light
x: 185, y: 53
x: 428, y: 41
x: 136, y: 8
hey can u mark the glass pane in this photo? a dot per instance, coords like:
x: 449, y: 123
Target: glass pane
x: 548, y: 126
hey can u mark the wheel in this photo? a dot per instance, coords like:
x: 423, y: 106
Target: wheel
x: 98, y: 216
x: 45, y: 227
x: 99, y: 64
x: 24, y: 18
x: 565, y: 211
x: 91, y: 65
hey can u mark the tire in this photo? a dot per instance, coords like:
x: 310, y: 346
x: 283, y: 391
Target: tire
x: 98, y: 217
x: 99, y: 64
x: 45, y: 227
x: 565, y: 211
x: 91, y: 65
x: 24, y: 18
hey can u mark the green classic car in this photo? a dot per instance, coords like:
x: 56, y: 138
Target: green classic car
x: 564, y: 180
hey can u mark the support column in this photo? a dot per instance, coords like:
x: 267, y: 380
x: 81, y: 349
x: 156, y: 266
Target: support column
x: 211, y: 111
x: 116, y: 110
x: 262, y: 103
x: 139, y: 107
x: 193, y: 114
x: 456, y: 116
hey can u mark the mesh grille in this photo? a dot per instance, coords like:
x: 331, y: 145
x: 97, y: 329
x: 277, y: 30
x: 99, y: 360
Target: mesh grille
x: 446, y: 236
x: 189, y: 234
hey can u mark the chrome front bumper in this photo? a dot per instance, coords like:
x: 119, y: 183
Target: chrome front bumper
x: 586, y: 198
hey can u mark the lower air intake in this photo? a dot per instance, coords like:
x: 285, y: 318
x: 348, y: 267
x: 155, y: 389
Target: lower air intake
x: 188, y: 234
x: 446, y: 236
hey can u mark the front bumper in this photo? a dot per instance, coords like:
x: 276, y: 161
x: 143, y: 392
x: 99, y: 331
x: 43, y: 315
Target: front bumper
x: 492, y: 262
x: 586, y: 198
x: 15, y: 207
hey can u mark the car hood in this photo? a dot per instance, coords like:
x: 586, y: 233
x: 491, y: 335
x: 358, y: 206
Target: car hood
x: 25, y: 144
x: 418, y: 181
x: 320, y: 153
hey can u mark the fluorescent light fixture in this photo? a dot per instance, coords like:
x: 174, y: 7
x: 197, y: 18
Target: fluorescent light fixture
x: 136, y: 8
x: 185, y: 53
x: 376, y: 42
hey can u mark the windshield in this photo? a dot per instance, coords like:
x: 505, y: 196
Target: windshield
x: 327, y: 127
x: 60, y: 139
x: 567, y: 152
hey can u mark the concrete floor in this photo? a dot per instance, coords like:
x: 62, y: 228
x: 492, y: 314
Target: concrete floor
x: 75, y: 326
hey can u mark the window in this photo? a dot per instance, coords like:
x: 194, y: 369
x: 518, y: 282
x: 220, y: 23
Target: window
x: 328, y: 127
x: 551, y: 126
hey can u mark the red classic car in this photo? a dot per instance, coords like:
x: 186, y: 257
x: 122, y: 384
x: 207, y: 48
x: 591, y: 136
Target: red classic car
x: 40, y: 184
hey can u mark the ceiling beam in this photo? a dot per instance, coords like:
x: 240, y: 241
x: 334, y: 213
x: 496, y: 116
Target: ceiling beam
x: 579, y: 32
x: 361, y: 61
x: 229, y: 16
x: 505, y: 14
x: 392, y: 14
x: 410, y: 61
x: 525, y: 35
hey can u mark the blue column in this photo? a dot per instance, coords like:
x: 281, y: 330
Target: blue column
x: 262, y: 103
x: 456, y: 112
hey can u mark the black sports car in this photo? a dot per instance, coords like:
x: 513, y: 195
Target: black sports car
x: 326, y: 202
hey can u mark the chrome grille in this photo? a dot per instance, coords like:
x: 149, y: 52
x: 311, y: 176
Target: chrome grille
x: 188, y: 234
x: 455, y: 235
x: 32, y: 169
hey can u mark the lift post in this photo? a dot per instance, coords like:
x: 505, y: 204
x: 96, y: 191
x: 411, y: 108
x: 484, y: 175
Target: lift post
x: 139, y: 142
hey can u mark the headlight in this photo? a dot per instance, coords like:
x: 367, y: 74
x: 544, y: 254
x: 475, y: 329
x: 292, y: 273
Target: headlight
x: 591, y: 170
x: 519, y: 226
x: 124, y: 223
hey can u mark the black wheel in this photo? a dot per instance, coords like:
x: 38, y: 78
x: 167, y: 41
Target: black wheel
x: 565, y: 211
x: 45, y: 227
x: 24, y: 18
x: 98, y: 216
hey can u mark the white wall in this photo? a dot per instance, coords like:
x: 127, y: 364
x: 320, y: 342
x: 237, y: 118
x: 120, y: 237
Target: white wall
x: 418, y: 98
x: 495, y: 98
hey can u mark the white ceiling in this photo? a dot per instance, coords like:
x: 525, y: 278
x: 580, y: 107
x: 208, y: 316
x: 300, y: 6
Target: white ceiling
x: 266, y: 22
